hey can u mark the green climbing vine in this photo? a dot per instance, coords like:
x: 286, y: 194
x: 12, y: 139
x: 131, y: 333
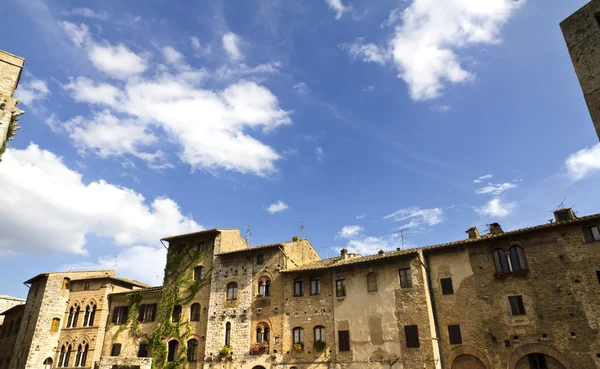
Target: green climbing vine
x: 179, y: 288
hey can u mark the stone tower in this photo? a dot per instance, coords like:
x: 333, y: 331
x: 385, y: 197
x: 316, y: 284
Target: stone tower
x: 582, y: 34
x: 10, y: 73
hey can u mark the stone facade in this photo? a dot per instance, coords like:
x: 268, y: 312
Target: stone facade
x: 6, y: 302
x: 581, y: 31
x: 522, y: 299
x: 11, y: 67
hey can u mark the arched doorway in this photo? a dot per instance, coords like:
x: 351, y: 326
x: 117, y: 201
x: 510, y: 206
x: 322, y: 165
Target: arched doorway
x: 538, y: 361
x: 467, y: 362
x: 259, y: 367
x: 48, y: 363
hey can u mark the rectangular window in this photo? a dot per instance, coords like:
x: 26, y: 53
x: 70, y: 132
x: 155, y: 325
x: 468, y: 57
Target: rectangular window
x: 143, y: 350
x: 598, y: 275
x: 147, y: 313
x: 344, y: 340
x: 412, y: 336
x: 120, y: 314
x: 454, y: 334
x: 115, y: 349
x: 260, y: 259
x: 176, y: 316
x: 198, y: 273
x: 298, y: 288
x: 516, y: 305
x: 315, y: 286
x: 405, y: 278
x: 447, y: 288
x: 86, y: 286
x: 591, y: 234
x: 201, y: 246
x: 340, y: 288
x: 55, y: 325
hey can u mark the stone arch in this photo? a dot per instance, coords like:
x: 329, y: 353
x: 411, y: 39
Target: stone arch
x: 468, y: 350
x: 74, y: 303
x: 537, y: 348
x: 68, y: 340
x: 84, y: 339
x: 258, y: 367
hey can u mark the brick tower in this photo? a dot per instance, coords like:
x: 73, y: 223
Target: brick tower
x: 10, y: 73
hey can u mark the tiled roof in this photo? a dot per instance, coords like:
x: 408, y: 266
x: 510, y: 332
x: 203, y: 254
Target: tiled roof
x: 252, y: 248
x: 20, y: 306
x: 149, y: 289
x: 30, y: 280
x: 5, y: 297
x: 126, y: 280
x: 337, y: 261
x: 206, y: 231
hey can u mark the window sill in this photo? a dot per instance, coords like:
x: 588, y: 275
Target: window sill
x: 339, y: 298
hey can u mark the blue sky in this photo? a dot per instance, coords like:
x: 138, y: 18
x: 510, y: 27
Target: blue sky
x: 145, y: 120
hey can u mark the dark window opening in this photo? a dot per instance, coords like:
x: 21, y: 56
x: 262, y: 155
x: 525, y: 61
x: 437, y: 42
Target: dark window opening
x: 173, y: 346
x: 147, y: 313
x: 192, y: 351
x: 228, y: 334
x: 537, y: 361
x: 315, y: 286
x: 195, y: 312
x: 340, y: 288
x: 176, y: 316
x: 447, y: 288
x: 298, y: 287
x: 198, y: 273
x: 232, y: 291
x: 516, y: 305
x: 454, y: 334
x: 298, y: 335
x: 120, y: 314
x: 344, y: 340
x: 86, y: 286
x: 501, y: 261
x: 201, y: 246
x: 115, y: 349
x: 591, y: 234
x: 405, y: 278
x: 260, y: 259
x: 598, y: 275
x: 412, y: 336
x: 143, y: 350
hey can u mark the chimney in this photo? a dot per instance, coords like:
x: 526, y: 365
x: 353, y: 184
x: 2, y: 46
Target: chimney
x: 344, y: 254
x: 495, y: 228
x: 381, y: 252
x: 565, y: 214
x: 473, y: 233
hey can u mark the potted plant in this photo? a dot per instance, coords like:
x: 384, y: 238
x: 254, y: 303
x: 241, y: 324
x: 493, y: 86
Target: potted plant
x: 225, y: 351
x: 319, y: 345
x: 259, y: 348
x: 298, y: 347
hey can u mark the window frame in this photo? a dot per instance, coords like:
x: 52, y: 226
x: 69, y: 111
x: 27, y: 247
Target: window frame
x: 120, y: 314
x: 260, y: 259
x: 232, y: 288
x: 372, y: 285
x: 517, y: 305
x: 172, y: 354
x: 446, y: 286
x: 411, y: 335
x: 195, y: 310
x: 519, y: 263
x: 147, y: 313
x: 298, y: 335
x: 298, y: 287
x: 405, y: 275
x: 315, y: 286
x: 454, y: 334
x: 54, y: 326
x: 589, y: 235
x: 176, y: 314
x: 198, y: 273
x: 140, y: 351
x: 192, y: 350
x: 319, y: 331
x: 344, y: 341
x: 115, y: 349
x: 340, y: 287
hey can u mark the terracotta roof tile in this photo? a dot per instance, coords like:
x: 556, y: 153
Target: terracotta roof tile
x: 252, y: 248
x: 206, y: 231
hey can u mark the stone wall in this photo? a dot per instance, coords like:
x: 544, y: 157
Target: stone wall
x: 6, y: 302
x: 582, y: 34
x: 10, y: 73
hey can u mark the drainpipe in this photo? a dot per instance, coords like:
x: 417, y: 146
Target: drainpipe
x: 432, y: 312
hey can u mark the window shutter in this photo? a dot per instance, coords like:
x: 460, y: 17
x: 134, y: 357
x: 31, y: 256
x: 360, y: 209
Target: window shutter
x: 142, y: 313
x: 115, y: 315
x: 344, y: 340
x: 153, y: 312
x: 412, y: 335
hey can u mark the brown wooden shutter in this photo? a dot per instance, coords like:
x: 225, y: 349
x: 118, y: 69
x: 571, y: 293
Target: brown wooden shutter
x: 412, y: 335
x: 344, y: 340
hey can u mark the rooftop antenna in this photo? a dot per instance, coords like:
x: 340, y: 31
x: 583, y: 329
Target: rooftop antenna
x: 402, y: 236
x: 301, y: 229
x: 562, y: 204
x: 116, y: 263
x: 248, y: 233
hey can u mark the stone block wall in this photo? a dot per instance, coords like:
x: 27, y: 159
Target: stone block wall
x: 10, y: 73
x: 6, y: 302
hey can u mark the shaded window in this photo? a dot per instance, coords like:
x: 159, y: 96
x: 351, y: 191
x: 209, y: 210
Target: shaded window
x: 198, y: 273
x: 143, y: 350
x: 412, y: 336
x: 454, y: 334
x: 73, y: 316
x: 344, y: 340
x: 262, y: 332
x: 405, y: 278
x: 516, y: 305
x: 81, y: 356
x: 260, y: 259
x: 500, y: 261
x: 517, y: 259
x: 591, y: 234
x: 372, y: 282
x: 264, y: 287
x: 201, y: 246
x: 70, y: 317
x: 92, y: 315
x: 447, y: 288
x: 598, y: 275
x: 86, y: 286
x: 120, y: 314
x: 192, y: 350
x: 298, y: 335
x: 315, y: 286
x: 228, y: 334
x: 195, y: 312
x: 47, y: 363
x: 173, y: 346
x: 55, y: 325
x: 176, y: 316
x: 340, y: 288
x: 537, y: 361
x: 115, y: 350
x: 268, y: 287
x: 147, y: 313
x: 232, y: 291
x: 319, y: 332
x: 298, y: 287
x: 65, y: 356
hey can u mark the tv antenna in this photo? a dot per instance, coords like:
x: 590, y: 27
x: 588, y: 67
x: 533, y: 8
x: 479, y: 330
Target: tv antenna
x: 301, y: 229
x: 116, y: 263
x: 248, y: 233
x: 402, y: 236
x: 562, y: 204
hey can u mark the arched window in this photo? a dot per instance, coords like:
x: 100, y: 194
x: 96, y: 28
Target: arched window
x: 65, y: 355
x: 192, y: 350
x: 195, y: 312
x: 232, y: 291
x: 319, y: 333
x: 198, y: 273
x: 517, y: 259
x: 262, y: 332
x: 264, y: 286
x: 173, y: 346
x: 61, y: 357
x: 86, y: 316
x: 84, y: 355
x: 47, y: 363
x: 92, y: 315
x: 176, y: 316
x: 372, y: 282
x: 73, y: 316
x: 298, y: 335
x: 78, y: 356
x: 228, y: 334
x: 500, y: 261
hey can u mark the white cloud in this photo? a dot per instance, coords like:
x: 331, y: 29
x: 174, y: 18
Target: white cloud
x: 231, y: 44
x: 89, y: 13
x: 428, y: 36
x: 583, y: 162
x: 195, y: 42
x: 417, y: 217
x: 86, y: 90
x: 277, y: 207
x: 371, y: 245
x: 338, y: 7
x: 496, y: 208
x: 349, y: 231
x: 369, y: 88
x: 78, y: 34
x: 367, y: 52
x: 300, y: 88
x: 32, y: 90
x: 47, y: 207
x: 360, y: 216
x: 495, y: 189
x: 486, y: 176
x: 319, y: 152
x: 171, y: 55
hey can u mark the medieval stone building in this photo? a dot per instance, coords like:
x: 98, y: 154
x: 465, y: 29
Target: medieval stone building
x: 582, y: 35
x: 527, y: 298
x: 11, y: 67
